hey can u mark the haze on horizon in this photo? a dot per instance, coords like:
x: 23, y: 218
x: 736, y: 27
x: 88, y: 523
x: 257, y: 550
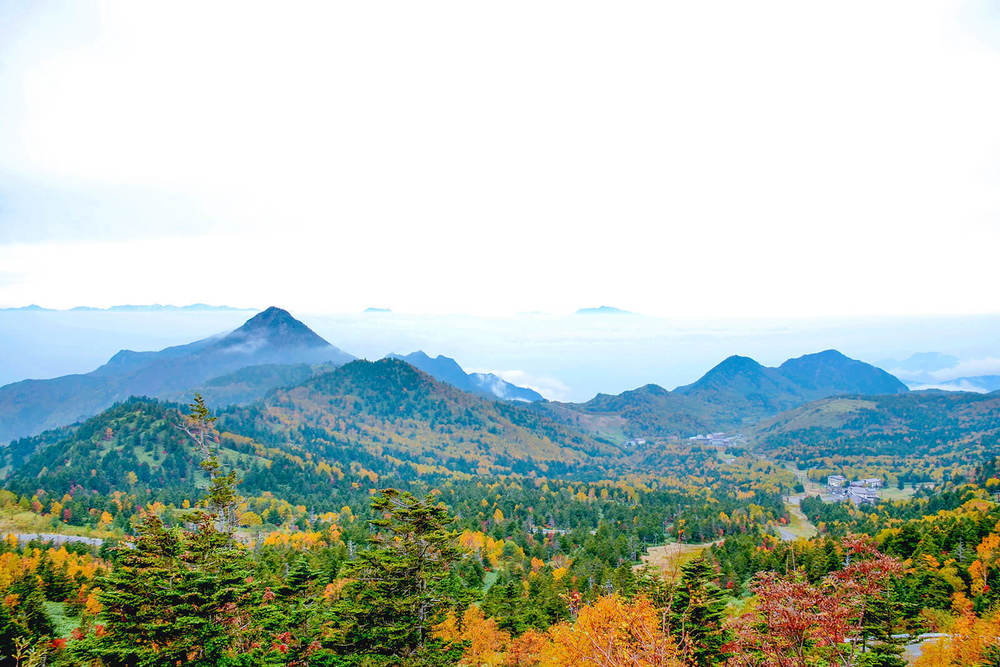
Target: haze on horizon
x: 732, y: 160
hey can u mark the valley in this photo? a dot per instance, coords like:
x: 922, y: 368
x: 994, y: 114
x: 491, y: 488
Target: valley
x: 553, y: 505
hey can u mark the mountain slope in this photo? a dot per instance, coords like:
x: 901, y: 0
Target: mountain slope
x: 136, y: 447
x: 831, y: 373
x: 736, y: 393
x: 361, y: 423
x: 447, y: 370
x: 391, y: 409
x: 270, y: 337
x: 947, y: 425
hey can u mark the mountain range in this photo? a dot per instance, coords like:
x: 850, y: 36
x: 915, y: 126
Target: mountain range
x: 152, y: 307
x: 295, y: 401
x: 270, y: 350
x: 447, y: 370
x: 272, y: 336
x: 734, y: 394
x: 384, y: 417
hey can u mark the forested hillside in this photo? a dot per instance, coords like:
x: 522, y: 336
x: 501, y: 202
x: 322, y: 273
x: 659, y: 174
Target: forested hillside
x: 393, y: 411
x: 733, y: 395
x: 909, y: 432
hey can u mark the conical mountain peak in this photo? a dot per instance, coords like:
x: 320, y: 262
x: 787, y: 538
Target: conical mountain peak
x: 275, y: 326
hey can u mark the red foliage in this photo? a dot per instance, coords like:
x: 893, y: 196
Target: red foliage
x: 794, y: 618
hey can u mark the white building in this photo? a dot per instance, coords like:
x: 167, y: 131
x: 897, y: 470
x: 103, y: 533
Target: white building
x: 862, y: 495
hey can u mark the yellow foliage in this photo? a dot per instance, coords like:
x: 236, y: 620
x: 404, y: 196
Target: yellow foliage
x: 486, y: 641
x: 970, y: 637
x: 612, y: 632
x: 93, y: 606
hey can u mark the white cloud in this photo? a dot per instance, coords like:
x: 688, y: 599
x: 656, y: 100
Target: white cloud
x: 549, y: 387
x: 696, y: 159
x: 969, y: 368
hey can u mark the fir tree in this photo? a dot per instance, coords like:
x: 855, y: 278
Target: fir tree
x: 300, y: 576
x: 697, y: 612
x: 31, y: 617
x: 401, y: 585
x: 182, y: 597
x: 8, y: 633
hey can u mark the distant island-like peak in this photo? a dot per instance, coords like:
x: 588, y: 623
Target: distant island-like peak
x: 603, y: 310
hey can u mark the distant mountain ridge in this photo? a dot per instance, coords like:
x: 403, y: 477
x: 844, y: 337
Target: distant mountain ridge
x: 982, y: 384
x: 448, y: 370
x: 135, y: 308
x: 602, y: 310
x: 272, y: 336
x: 737, y: 392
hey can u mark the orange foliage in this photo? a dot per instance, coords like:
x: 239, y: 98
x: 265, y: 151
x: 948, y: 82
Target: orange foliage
x: 612, y: 632
x: 487, y: 642
x: 527, y: 649
x: 970, y: 637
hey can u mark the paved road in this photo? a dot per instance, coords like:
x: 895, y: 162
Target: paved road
x: 57, y: 538
x: 913, y: 650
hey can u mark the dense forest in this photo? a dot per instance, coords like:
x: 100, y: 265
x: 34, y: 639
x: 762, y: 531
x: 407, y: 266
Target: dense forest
x: 263, y: 547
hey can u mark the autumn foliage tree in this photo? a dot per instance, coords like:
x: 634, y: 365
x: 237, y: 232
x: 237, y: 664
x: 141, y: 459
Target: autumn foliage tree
x: 613, y: 632
x: 794, y: 622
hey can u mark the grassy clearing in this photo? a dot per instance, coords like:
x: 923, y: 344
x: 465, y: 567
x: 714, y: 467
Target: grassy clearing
x: 669, y: 558
x: 64, y: 625
x: 798, y: 524
x: 892, y: 493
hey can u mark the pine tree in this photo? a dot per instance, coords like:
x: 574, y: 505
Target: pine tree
x: 300, y: 575
x: 221, y: 500
x: 183, y: 597
x: 400, y: 588
x: 31, y: 617
x: 696, y: 613
x: 8, y: 633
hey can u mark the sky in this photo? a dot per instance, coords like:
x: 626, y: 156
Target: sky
x: 716, y: 159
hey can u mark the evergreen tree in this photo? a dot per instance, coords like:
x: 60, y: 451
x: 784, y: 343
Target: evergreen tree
x: 183, y: 597
x: 881, y: 614
x: 221, y: 499
x: 400, y: 587
x: 300, y: 576
x: 56, y: 584
x: 697, y: 612
x: 31, y: 617
x: 8, y: 633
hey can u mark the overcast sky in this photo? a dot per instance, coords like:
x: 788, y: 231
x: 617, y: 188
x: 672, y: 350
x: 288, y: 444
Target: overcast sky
x: 685, y: 159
